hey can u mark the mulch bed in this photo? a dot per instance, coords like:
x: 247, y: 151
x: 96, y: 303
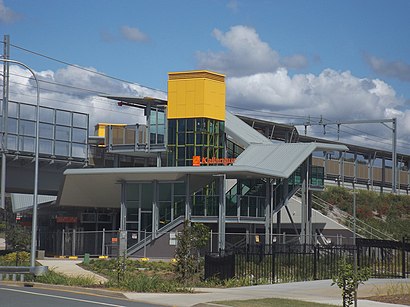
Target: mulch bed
x: 403, y: 299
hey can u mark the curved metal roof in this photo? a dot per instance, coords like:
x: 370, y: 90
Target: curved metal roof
x: 100, y: 186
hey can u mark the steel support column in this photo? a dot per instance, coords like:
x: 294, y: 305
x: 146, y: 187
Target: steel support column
x: 155, y: 211
x: 222, y: 212
x: 187, y: 198
x: 394, y: 156
x: 6, y: 76
x: 123, y: 222
x: 383, y: 174
x: 308, y: 202
x: 304, y: 231
x: 267, y: 211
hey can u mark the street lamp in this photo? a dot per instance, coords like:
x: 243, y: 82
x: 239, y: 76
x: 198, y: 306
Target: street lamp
x: 35, y: 199
x: 355, y: 240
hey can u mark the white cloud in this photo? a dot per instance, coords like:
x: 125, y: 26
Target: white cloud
x: 335, y: 95
x: 133, y: 34
x: 331, y: 94
x: 72, y: 97
x: 259, y: 83
x: 7, y: 15
x: 246, y: 54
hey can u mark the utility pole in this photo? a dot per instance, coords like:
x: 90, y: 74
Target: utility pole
x: 4, y: 113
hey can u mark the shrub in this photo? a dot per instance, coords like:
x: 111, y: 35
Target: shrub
x: 52, y: 277
x: 15, y: 258
x: 192, y: 238
x: 139, y: 282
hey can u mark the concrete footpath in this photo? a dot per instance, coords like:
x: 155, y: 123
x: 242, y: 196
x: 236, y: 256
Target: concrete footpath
x: 69, y: 267
x: 319, y: 291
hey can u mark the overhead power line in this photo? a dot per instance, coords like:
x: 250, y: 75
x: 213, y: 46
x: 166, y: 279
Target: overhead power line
x: 85, y: 69
x: 264, y: 114
x: 282, y: 115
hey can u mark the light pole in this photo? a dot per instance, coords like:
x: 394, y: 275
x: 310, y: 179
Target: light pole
x: 35, y: 198
x: 354, y: 241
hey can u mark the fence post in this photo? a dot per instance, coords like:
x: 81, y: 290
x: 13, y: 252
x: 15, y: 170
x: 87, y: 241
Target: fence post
x: 211, y: 242
x: 273, y: 262
x: 315, y: 259
x: 103, y: 242
x: 145, y: 243
x: 62, y: 243
x: 403, y: 257
x: 73, y: 243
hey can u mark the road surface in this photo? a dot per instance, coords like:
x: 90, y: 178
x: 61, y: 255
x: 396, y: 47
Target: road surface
x: 17, y: 296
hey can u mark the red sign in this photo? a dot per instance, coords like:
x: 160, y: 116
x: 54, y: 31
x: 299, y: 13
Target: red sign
x: 197, y: 161
x: 66, y: 219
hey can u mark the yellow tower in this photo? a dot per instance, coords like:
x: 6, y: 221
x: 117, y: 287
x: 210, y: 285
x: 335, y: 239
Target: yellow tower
x: 196, y: 94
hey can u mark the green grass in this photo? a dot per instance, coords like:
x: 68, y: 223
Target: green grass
x: 138, y: 276
x: 54, y: 278
x: 269, y: 302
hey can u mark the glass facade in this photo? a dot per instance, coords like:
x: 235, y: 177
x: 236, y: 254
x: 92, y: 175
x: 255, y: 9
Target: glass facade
x: 233, y: 150
x: 157, y: 126
x: 62, y: 134
x: 190, y: 137
x: 248, y: 197
x: 140, y: 201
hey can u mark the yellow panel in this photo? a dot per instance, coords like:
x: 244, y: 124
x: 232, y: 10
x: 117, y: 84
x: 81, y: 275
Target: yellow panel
x: 100, y: 128
x: 195, y: 94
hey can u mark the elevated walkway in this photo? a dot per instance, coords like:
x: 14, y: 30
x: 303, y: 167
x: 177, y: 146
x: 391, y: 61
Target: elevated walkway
x: 63, y: 144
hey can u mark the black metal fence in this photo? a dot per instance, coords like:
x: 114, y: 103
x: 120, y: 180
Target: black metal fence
x: 289, y: 263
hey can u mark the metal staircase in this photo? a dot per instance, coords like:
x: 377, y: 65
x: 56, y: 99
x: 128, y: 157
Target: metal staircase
x: 346, y: 219
x: 148, y: 239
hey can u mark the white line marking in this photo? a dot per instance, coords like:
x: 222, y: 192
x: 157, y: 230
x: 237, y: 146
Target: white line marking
x: 62, y: 297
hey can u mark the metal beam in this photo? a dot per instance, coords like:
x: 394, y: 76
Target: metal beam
x: 222, y: 212
x: 393, y: 128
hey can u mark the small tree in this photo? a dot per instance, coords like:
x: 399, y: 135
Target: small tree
x: 192, y: 238
x: 348, y: 281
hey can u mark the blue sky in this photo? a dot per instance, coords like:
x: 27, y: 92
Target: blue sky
x: 342, y: 60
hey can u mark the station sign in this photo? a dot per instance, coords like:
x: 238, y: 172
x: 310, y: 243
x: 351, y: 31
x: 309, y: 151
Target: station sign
x: 198, y: 161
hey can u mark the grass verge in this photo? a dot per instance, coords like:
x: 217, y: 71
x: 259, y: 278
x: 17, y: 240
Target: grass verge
x: 54, y: 278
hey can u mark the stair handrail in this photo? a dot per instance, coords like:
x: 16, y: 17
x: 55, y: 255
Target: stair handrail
x: 148, y: 239
x: 363, y: 226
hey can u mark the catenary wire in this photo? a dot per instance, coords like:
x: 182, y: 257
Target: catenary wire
x: 83, y: 68
x: 279, y: 115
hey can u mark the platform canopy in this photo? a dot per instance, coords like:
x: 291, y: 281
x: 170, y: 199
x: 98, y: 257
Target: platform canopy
x: 101, y: 187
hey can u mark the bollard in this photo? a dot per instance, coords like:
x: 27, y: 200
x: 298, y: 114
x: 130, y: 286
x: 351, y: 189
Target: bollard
x: 86, y: 259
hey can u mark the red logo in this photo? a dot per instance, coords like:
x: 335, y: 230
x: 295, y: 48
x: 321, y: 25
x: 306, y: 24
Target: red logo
x: 196, y: 160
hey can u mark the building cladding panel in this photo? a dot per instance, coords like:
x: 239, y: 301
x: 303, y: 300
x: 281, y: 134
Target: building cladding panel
x: 196, y: 94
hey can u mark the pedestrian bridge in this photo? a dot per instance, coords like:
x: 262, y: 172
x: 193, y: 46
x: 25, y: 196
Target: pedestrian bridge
x: 63, y: 143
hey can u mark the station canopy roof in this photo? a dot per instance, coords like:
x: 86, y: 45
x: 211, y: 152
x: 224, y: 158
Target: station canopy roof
x: 139, y: 102
x: 100, y: 187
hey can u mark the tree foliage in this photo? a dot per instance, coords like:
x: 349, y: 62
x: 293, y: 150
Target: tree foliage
x: 190, y: 240
x: 348, y: 281
x: 18, y: 238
